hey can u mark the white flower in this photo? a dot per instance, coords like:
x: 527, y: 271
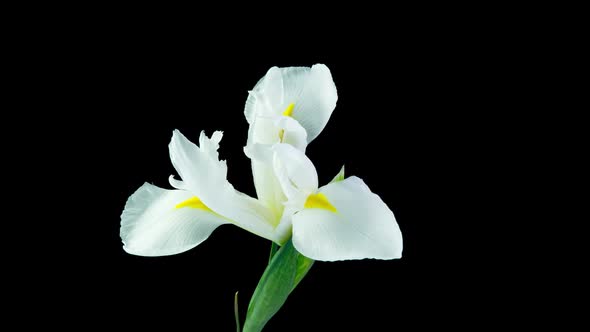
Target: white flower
x: 286, y: 110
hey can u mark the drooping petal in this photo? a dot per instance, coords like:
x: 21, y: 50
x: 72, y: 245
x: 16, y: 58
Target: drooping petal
x: 206, y: 177
x: 345, y: 220
x: 296, y: 173
x: 159, y: 222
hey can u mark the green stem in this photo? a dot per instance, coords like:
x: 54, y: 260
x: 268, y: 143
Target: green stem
x: 236, y: 313
x: 273, y: 250
x: 285, y: 270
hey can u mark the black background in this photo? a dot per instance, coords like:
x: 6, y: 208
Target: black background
x: 403, y: 123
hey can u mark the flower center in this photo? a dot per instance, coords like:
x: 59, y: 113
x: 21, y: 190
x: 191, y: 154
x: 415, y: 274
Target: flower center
x: 319, y: 201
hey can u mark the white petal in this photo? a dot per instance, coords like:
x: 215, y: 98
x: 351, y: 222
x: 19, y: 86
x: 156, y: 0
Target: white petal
x: 151, y: 225
x: 266, y: 96
x: 296, y: 173
x: 273, y: 86
x: 295, y: 80
x: 264, y: 130
x: 316, y: 102
x: 362, y: 227
x: 285, y: 227
x: 205, y: 176
x: 258, y: 149
x: 262, y: 135
x: 268, y: 188
x: 278, y: 129
x: 292, y: 132
x: 311, y: 90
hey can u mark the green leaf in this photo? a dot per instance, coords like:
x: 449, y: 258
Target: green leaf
x: 281, y: 276
x: 303, y: 266
x: 339, y: 176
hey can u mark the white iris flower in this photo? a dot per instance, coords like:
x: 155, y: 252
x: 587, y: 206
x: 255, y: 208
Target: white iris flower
x: 286, y: 110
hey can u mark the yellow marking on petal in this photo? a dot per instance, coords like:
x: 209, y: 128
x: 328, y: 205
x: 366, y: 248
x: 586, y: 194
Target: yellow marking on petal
x: 289, y: 110
x: 193, y: 203
x: 319, y: 201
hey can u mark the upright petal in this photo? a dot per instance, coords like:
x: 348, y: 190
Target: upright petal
x: 264, y: 130
x: 316, y: 102
x: 266, y: 96
x: 294, y: 81
x: 155, y: 222
x: 307, y: 94
x: 273, y: 87
x: 296, y: 173
x: 345, y: 220
x: 259, y: 149
x: 267, y: 130
x: 291, y: 132
x: 268, y: 188
x: 288, y: 105
x: 206, y: 177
